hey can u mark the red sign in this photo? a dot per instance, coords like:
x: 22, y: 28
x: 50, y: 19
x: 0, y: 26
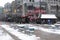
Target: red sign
x: 39, y: 11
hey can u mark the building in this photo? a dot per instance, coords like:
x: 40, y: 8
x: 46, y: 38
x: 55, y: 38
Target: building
x: 24, y: 6
x: 1, y: 10
x: 58, y: 9
x: 1, y: 13
x: 35, y: 7
x: 28, y: 7
x: 7, y: 8
x: 18, y: 4
x: 13, y: 7
x: 54, y: 7
x: 48, y: 18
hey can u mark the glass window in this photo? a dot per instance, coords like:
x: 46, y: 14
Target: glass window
x: 31, y: 0
x: 53, y: 12
x: 43, y: 8
x: 53, y: 7
x: 59, y: 0
x: 55, y: 0
x: 30, y: 7
x: 18, y: 1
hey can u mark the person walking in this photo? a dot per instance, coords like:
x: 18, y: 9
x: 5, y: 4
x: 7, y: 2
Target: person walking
x: 49, y: 21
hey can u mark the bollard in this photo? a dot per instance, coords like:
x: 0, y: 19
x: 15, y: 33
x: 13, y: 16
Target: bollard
x: 31, y: 31
x: 21, y: 29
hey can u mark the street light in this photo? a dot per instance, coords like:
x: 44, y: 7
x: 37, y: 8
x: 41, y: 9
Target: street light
x: 40, y: 10
x: 57, y: 10
x: 23, y: 10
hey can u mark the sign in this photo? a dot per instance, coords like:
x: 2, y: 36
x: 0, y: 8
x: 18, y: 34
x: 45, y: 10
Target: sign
x: 39, y: 11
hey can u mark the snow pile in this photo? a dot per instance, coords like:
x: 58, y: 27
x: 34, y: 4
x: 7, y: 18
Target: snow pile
x: 20, y: 35
x: 4, y: 35
x: 55, y: 31
x: 32, y: 26
x: 51, y: 16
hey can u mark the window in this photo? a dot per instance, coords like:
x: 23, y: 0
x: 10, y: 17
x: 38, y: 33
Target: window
x: 53, y: 7
x: 50, y: 0
x: 59, y: 0
x: 53, y: 12
x: 30, y: 7
x: 37, y: 14
x: 55, y: 0
x: 18, y: 1
x: 58, y: 7
x: 31, y: 0
x: 43, y: 8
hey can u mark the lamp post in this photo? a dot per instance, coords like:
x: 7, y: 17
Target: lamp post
x: 23, y: 10
x: 57, y: 10
x: 40, y: 10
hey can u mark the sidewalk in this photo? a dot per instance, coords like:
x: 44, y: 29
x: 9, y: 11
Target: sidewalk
x: 20, y: 35
x: 42, y: 25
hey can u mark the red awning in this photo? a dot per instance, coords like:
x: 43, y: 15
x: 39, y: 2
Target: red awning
x: 39, y: 11
x: 23, y: 16
x: 29, y: 14
x: 37, y: 8
x: 31, y: 18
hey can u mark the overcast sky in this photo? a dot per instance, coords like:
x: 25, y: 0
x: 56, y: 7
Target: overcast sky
x: 2, y: 2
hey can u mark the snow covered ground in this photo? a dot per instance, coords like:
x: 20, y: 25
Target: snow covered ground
x: 4, y: 35
x: 48, y: 30
x: 20, y: 35
x: 23, y: 36
x: 55, y: 31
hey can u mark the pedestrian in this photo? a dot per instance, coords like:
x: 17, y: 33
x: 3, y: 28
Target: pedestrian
x: 43, y: 21
x: 49, y: 21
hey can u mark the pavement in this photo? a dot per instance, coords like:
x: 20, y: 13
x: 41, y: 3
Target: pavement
x: 4, y: 35
x: 42, y: 35
x: 17, y: 34
x: 13, y: 36
x: 42, y: 25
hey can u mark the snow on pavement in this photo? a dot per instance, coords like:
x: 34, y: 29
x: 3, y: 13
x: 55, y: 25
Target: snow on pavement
x: 4, y: 35
x: 40, y: 28
x: 55, y: 31
x: 20, y: 35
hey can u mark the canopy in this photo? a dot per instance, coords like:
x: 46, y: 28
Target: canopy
x: 48, y: 16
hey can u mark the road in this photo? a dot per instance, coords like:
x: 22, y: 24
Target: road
x: 12, y: 37
x: 16, y: 35
x: 43, y: 35
x: 4, y: 35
